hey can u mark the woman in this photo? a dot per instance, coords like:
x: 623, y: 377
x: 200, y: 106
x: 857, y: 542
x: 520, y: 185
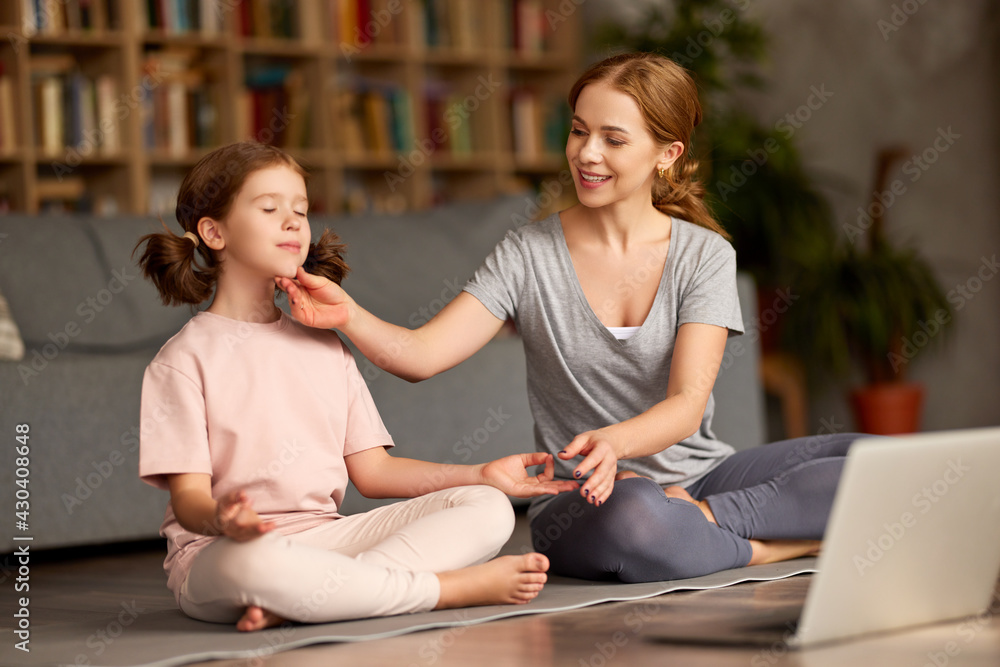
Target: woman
x: 624, y: 303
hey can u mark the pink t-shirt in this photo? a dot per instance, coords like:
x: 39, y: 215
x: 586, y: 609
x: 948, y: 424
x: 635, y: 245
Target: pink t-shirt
x: 272, y: 409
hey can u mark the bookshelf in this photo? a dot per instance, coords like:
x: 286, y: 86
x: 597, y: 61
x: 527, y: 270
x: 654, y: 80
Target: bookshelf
x: 391, y: 104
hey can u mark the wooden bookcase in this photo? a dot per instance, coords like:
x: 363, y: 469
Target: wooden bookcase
x: 425, y: 101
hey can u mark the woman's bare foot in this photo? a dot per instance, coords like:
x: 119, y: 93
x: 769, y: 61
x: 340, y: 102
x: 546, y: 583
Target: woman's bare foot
x: 504, y: 580
x: 255, y: 618
x: 773, y: 551
x: 679, y: 493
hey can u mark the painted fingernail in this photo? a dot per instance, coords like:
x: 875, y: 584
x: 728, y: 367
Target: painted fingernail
x: 593, y: 498
x: 585, y: 492
x: 577, y: 473
x: 562, y: 451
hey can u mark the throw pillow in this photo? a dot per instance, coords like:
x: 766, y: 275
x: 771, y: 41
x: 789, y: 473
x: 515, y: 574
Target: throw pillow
x: 11, y: 345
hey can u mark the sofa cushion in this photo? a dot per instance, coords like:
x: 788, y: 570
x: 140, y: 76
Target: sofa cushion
x: 72, y: 284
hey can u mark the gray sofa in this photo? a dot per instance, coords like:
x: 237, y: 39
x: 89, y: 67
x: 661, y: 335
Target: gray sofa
x: 91, y: 324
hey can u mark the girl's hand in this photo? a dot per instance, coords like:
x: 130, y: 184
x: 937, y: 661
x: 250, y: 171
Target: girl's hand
x: 510, y: 475
x: 236, y: 518
x: 316, y: 301
x: 600, y: 459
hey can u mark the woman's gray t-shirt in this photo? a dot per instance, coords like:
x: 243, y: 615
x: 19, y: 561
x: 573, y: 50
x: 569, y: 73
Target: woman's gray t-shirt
x: 580, y: 377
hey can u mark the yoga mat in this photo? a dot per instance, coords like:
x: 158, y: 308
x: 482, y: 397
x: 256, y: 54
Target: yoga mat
x: 165, y: 638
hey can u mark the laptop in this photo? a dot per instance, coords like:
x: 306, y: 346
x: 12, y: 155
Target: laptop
x: 913, y: 539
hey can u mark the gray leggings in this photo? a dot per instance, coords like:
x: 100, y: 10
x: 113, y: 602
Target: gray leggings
x: 783, y: 490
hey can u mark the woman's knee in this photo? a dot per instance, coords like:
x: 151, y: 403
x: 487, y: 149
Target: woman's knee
x: 583, y: 540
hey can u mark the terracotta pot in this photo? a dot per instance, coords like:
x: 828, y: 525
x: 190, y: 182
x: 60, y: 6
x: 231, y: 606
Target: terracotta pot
x: 888, y: 408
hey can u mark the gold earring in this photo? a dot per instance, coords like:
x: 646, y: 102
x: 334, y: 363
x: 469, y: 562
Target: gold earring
x: 662, y: 172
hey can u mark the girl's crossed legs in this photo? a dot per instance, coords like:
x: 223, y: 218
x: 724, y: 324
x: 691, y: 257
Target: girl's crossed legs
x: 406, y: 557
x: 780, y: 491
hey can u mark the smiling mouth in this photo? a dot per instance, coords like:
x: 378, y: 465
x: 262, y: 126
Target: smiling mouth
x: 593, y: 179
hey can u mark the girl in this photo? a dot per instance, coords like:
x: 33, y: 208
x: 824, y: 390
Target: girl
x: 255, y: 423
x: 624, y: 303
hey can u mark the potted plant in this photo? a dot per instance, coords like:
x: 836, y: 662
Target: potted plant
x: 872, y: 307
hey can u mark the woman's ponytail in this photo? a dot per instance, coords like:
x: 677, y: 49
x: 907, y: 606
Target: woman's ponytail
x: 679, y: 193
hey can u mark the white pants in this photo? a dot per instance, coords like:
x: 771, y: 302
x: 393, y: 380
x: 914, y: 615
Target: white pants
x: 378, y: 563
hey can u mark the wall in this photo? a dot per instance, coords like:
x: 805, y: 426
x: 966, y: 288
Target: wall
x: 906, y: 73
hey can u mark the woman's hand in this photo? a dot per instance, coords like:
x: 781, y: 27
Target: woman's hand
x: 236, y: 518
x: 316, y: 301
x: 510, y: 475
x: 600, y: 460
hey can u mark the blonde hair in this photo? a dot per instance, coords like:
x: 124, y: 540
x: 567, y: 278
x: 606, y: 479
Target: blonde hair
x: 668, y: 101
x: 171, y: 261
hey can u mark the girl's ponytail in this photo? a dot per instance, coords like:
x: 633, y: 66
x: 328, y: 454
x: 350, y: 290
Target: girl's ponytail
x: 170, y: 262
x: 326, y: 257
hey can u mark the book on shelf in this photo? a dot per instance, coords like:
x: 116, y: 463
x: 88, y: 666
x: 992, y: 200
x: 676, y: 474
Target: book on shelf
x: 539, y: 124
x: 372, y: 118
x: 65, y: 194
x: 179, y: 113
x: 455, y: 24
x: 8, y: 131
x: 529, y: 27
x: 358, y: 24
x: 182, y: 16
x: 73, y: 111
x: 55, y: 17
x: 279, y: 19
x: 274, y: 106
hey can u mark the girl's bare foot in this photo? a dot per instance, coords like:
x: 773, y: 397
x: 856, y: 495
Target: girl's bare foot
x: 255, y: 618
x: 504, y: 580
x: 773, y: 551
x: 679, y: 493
